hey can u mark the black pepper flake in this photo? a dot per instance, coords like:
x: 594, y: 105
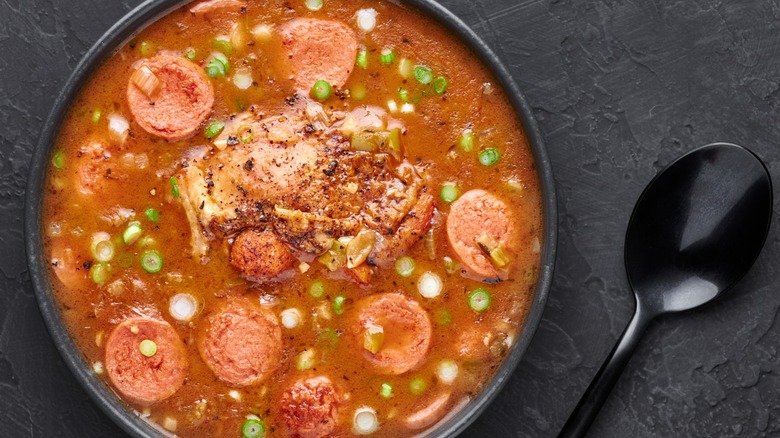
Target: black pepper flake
x: 185, y: 165
x: 87, y: 265
x: 249, y: 165
x: 151, y: 103
x: 331, y: 170
x: 232, y: 140
x: 243, y: 9
x: 242, y: 190
x: 309, y: 129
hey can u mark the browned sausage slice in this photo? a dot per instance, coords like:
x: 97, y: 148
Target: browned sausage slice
x: 260, y: 255
x: 145, y: 379
x: 310, y: 407
x: 406, y: 332
x: 93, y: 168
x: 429, y: 414
x: 473, y: 215
x: 319, y: 49
x: 209, y: 6
x: 242, y: 343
x: 180, y: 102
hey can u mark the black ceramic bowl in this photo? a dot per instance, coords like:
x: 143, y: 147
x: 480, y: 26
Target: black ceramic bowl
x: 111, y: 41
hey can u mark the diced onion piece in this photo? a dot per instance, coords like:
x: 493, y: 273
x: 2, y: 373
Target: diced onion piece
x: 262, y: 32
x: 183, y: 307
x: 238, y: 36
x: 405, y: 68
x: 291, y: 318
x: 305, y: 360
x: 314, y: 5
x: 303, y: 267
x: 365, y: 421
x: 392, y: 106
x: 118, y: 128
x: 170, y: 423
x: 447, y: 372
x: 366, y: 19
x: 242, y: 80
x: 98, y: 368
x: 98, y: 237
x: 235, y: 395
x: 537, y: 246
x: 407, y: 108
x: 145, y: 80
x: 360, y: 248
x: 373, y: 338
x: 104, y: 251
x: 99, y: 338
x: 429, y: 285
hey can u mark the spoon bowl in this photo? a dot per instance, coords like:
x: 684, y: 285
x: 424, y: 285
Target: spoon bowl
x: 695, y: 231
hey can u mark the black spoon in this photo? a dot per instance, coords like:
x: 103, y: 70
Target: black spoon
x: 695, y: 230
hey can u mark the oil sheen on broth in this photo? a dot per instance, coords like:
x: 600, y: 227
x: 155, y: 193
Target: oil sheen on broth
x: 293, y: 218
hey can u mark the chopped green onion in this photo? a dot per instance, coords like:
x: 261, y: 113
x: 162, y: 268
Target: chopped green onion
x: 442, y: 317
x: 151, y: 261
x: 305, y: 360
x: 314, y: 5
x: 387, y: 57
x: 328, y: 338
x: 245, y: 134
x: 479, y: 300
x: 321, y: 90
x: 152, y: 214
x: 403, y: 94
x: 423, y: 74
x: 58, y: 160
x: 104, y: 251
x: 386, y: 390
x: 338, y: 304
x: 466, y: 142
x: 218, y: 66
x: 214, y: 129
x: 405, y: 266
x: 417, y: 386
x: 317, y: 289
x: 99, y: 272
x: 148, y: 348
x: 405, y: 68
x: 358, y: 92
x: 450, y: 265
x: 96, y: 114
x: 362, y: 59
x: 440, y: 85
x: 174, y: 187
x: 190, y: 54
x: 147, y: 241
x: 253, y: 427
x: 146, y: 48
x: 223, y: 46
x: 489, y: 156
x: 449, y: 192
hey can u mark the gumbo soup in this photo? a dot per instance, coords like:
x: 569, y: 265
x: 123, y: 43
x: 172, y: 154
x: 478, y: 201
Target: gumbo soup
x: 293, y: 218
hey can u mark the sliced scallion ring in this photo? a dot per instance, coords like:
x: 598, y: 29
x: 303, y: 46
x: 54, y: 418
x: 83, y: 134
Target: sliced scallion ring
x: 151, y: 261
x: 440, y: 85
x: 387, y: 57
x: 58, y: 160
x: 321, y: 90
x: 479, y: 300
x: 214, y: 129
x: 132, y: 233
x: 314, y: 5
x: 489, y: 156
x: 405, y: 266
x: 147, y: 347
x: 253, y: 427
x: 449, y: 192
x: 423, y: 74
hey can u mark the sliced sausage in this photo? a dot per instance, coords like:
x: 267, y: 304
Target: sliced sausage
x: 210, y: 6
x: 319, y: 50
x: 242, y: 343
x: 178, y: 105
x: 93, y: 168
x: 310, y: 407
x: 406, y: 329
x: 428, y: 414
x: 68, y: 265
x: 475, y: 213
x: 260, y: 255
x: 146, y: 379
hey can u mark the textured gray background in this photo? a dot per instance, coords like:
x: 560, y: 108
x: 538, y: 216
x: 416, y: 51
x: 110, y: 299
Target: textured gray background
x: 620, y: 87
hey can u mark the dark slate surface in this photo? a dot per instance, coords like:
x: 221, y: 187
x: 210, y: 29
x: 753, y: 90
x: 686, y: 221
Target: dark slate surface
x: 620, y: 87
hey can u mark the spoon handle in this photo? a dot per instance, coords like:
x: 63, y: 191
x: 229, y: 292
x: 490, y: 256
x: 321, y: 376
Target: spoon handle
x: 599, y: 389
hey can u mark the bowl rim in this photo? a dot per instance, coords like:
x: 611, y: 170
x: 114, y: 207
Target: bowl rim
x: 126, y: 28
